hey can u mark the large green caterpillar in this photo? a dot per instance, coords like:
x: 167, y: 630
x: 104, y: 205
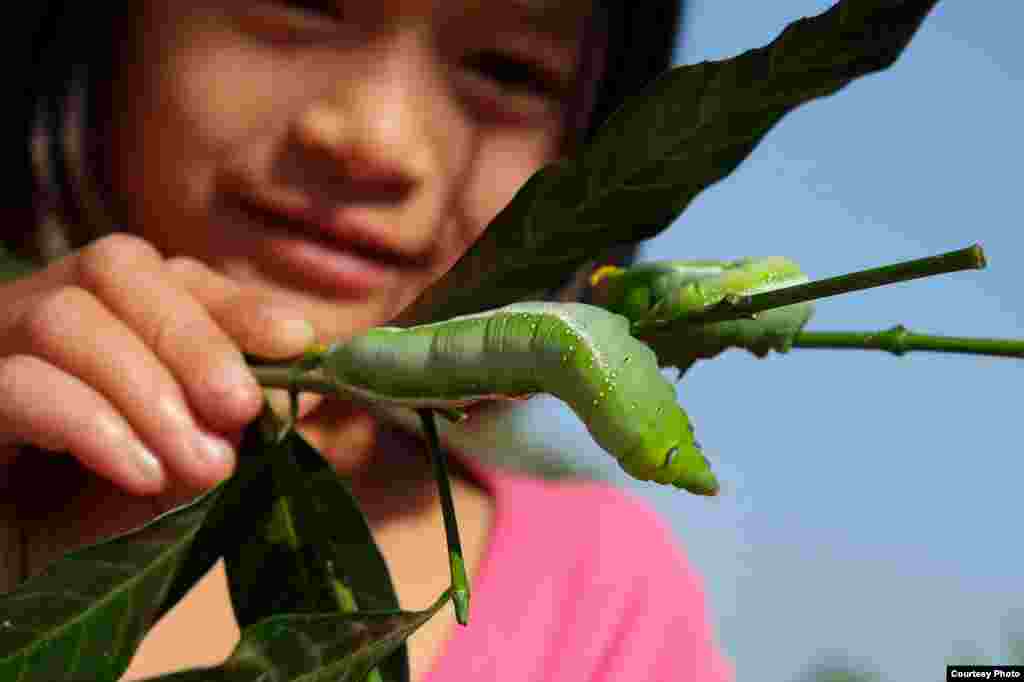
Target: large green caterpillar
x: 666, y: 292
x: 582, y: 354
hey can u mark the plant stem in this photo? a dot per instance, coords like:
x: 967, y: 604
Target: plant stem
x: 896, y: 340
x: 456, y: 563
x: 739, y: 307
x: 280, y: 376
x: 314, y: 381
x: 899, y: 340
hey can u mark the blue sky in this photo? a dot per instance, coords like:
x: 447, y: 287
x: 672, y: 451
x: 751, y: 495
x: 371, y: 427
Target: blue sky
x: 873, y: 502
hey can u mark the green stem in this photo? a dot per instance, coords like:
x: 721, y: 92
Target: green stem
x: 281, y: 376
x: 740, y: 307
x: 314, y: 381
x: 899, y: 340
x: 456, y: 563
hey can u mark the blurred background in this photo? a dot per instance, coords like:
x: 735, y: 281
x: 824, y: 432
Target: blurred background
x: 870, y: 524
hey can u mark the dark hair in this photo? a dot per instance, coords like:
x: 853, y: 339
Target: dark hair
x: 61, y: 56
x: 641, y: 39
x: 636, y: 43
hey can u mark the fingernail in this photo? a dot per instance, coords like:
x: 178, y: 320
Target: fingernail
x: 214, y: 450
x: 289, y: 326
x: 235, y: 382
x: 146, y: 463
x: 278, y: 331
x: 298, y: 329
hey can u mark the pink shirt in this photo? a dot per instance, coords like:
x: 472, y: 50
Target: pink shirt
x: 580, y: 583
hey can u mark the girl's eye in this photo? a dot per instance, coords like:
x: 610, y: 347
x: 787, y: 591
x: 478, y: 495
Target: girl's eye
x: 314, y: 6
x: 516, y: 75
x: 291, y: 22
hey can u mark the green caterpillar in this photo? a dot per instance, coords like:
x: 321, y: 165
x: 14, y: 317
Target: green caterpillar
x: 582, y: 354
x: 666, y: 292
x: 637, y: 291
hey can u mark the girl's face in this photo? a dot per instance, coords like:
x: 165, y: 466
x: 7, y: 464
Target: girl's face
x: 339, y: 155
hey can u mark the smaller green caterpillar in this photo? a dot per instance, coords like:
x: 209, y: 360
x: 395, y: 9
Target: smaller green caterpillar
x: 582, y: 354
x: 666, y: 292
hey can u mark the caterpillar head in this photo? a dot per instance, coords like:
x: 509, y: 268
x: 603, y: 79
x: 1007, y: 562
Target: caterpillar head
x: 670, y: 454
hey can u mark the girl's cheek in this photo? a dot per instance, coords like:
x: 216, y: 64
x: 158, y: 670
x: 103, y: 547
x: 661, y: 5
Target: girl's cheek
x: 344, y: 433
x: 506, y: 162
x: 232, y: 92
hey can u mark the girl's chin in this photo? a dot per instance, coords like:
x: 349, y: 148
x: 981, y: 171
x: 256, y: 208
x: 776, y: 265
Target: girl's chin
x: 343, y: 432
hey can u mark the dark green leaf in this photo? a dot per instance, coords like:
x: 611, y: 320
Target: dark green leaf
x: 312, y: 534
x: 83, y: 617
x: 313, y: 647
x: 685, y: 131
x: 250, y: 489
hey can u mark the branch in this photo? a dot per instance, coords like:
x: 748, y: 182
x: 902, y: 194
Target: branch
x: 747, y: 306
x: 899, y: 340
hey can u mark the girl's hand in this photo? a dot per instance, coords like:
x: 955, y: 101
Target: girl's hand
x: 132, y: 364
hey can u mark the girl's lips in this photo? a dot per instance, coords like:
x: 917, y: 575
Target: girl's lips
x: 325, y: 265
x: 341, y: 268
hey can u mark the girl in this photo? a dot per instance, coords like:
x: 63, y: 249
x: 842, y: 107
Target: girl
x: 234, y: 176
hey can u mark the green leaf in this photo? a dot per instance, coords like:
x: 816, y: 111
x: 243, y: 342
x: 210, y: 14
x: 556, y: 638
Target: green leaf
x: 246, y: 496
x: 311, y: 550
x: 313, y: 647
x: 83, y: 617
x: 688, y: 129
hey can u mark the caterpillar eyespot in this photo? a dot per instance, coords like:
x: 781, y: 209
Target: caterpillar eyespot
x: 670, y: 456
x: 522, y: 349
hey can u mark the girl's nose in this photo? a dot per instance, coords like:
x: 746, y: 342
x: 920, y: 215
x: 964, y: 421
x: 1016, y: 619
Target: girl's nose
x: 373, y: 122
x: 373, y: 152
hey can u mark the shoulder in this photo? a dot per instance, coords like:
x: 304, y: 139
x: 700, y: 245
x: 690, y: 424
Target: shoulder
x: 597, y: 521
x: 605, y: 580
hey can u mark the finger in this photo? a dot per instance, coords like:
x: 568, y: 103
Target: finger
x: 260, y: 326
x: 82, y: 423
x: 73, y: 331
x: 131, y: 279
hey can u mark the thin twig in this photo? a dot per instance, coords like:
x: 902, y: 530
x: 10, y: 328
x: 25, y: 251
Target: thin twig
x: 899, y: 340
x: 456, y: 563
x: 746, y: 306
